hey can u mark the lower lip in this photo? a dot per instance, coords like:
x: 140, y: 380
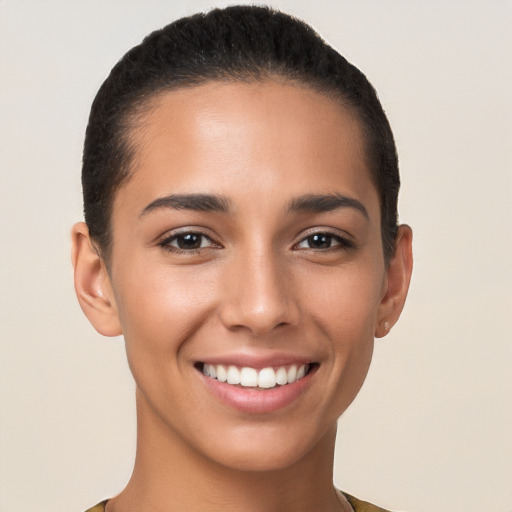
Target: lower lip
x: 257, y: 400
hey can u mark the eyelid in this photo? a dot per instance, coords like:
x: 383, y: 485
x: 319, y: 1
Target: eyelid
x: 338, y: 241
x: 346, y: 241
x: 173, y: 238
x: 165, y: 240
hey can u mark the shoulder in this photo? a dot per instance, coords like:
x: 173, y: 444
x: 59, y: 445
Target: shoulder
x: 362, y: 506
x: 100, y: 507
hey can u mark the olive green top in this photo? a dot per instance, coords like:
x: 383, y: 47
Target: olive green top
x: 357, y: 505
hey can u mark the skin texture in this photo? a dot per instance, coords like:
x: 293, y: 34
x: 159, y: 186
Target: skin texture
x: 257, y: 289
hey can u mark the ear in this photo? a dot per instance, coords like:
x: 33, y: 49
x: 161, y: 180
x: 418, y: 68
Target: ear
x: 396, y: 283
x: 92, y: 283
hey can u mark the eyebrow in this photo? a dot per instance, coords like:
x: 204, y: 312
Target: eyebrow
x: 309, y: 203
x: 197, y: 202
x: 320, y: 203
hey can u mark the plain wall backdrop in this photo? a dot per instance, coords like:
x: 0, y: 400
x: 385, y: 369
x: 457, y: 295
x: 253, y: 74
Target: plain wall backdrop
x: 431, y: 429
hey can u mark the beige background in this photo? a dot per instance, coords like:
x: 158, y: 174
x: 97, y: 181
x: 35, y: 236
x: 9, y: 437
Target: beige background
x: 431, y: 430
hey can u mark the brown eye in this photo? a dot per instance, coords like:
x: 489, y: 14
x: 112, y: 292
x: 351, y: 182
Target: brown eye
x: 189, y: 241
x: 320, y: 241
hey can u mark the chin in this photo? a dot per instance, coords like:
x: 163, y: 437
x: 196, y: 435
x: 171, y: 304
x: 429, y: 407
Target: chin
x: 261, y: 462
x: 250, y: 464
x: 277, y: 450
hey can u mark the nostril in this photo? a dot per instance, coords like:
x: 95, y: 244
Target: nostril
x: 259, y: 321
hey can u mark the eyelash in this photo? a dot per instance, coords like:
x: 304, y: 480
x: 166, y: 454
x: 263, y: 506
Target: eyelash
x: 341, y: 243
x: 166, y: 243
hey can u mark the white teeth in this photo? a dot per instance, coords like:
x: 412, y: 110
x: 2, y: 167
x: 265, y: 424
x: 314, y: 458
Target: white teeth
x: 233, y: 375
x: 266, y: 378
x: 221, y: 373
x: 249, y: 377
x: 281, y: 376
x: 292, y: 374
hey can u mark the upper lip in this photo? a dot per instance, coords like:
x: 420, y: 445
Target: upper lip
x: 257, y: 361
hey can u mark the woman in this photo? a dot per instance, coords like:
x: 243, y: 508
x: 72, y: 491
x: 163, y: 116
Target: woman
x: 240, y: 183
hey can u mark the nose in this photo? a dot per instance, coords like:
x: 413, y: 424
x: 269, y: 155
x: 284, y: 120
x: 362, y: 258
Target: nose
x: 258, y: 295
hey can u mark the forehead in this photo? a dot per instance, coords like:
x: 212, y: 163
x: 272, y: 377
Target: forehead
x: 251, y: 135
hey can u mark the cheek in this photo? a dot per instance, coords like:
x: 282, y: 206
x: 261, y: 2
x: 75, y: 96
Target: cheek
x: 346, y: 300
x: 161, y: 310
x: 346, y: 310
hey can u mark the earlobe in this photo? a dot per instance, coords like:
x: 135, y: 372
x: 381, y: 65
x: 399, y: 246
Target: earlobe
x: 396, y: 286
x: 92, y: 283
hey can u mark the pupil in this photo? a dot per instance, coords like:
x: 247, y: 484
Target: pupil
x: 320, y: 241
x: 189, y: 241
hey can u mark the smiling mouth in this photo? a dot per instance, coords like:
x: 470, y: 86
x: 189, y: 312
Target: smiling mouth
x: 264, y: 378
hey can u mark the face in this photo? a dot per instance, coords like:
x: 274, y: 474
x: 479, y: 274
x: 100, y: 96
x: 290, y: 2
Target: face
x: 247, y: 247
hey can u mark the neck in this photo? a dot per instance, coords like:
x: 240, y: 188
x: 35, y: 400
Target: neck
x: 171, y: 476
